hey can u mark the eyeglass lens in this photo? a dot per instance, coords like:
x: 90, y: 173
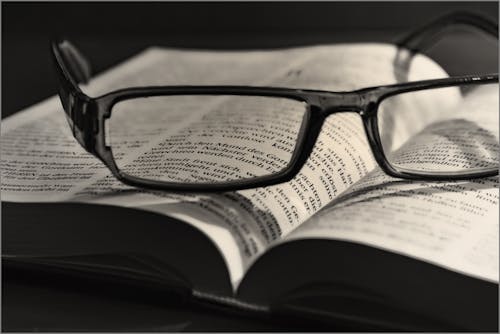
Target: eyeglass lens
x: 456, y: 133
x: 198, y: 139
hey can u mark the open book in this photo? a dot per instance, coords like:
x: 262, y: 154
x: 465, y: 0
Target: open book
x: 389, y: 241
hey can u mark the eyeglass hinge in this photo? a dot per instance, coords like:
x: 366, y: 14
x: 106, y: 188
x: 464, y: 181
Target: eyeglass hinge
x: 84, y: 128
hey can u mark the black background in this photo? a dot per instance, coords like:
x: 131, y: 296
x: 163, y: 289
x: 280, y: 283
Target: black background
x: 111, y: 32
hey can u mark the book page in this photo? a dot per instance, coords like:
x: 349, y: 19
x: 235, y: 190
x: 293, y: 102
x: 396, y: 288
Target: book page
x: 42, y: 162
x: 451, y: 224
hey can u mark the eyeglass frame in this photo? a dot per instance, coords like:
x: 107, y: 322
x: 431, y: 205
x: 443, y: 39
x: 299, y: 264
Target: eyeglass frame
x: 87, y: 115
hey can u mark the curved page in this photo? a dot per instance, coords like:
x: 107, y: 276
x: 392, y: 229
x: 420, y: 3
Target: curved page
x: 451, y: 224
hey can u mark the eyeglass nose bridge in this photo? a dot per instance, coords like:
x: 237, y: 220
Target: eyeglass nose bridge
x: 341, y: 102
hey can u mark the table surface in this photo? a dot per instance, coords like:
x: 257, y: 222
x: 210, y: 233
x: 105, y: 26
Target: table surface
x: 41, y: 304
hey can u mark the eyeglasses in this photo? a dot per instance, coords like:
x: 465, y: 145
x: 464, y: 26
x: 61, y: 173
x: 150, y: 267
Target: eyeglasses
x: 222, y: 138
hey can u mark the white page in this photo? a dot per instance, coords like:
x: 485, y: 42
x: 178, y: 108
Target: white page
x: 42, y: 162
x: 452, y: 224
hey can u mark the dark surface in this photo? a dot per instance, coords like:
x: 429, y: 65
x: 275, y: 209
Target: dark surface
x: 109, y: 33
x: 35, y: 299
x: 417, y: 295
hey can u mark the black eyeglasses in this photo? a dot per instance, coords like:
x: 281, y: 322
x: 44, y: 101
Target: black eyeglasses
x: 221, y: 138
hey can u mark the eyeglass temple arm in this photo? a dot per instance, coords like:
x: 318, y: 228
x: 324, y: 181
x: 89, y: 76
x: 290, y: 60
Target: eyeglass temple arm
x: 429, y: 34
x: 75, y: 62
x: 72, y: 69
